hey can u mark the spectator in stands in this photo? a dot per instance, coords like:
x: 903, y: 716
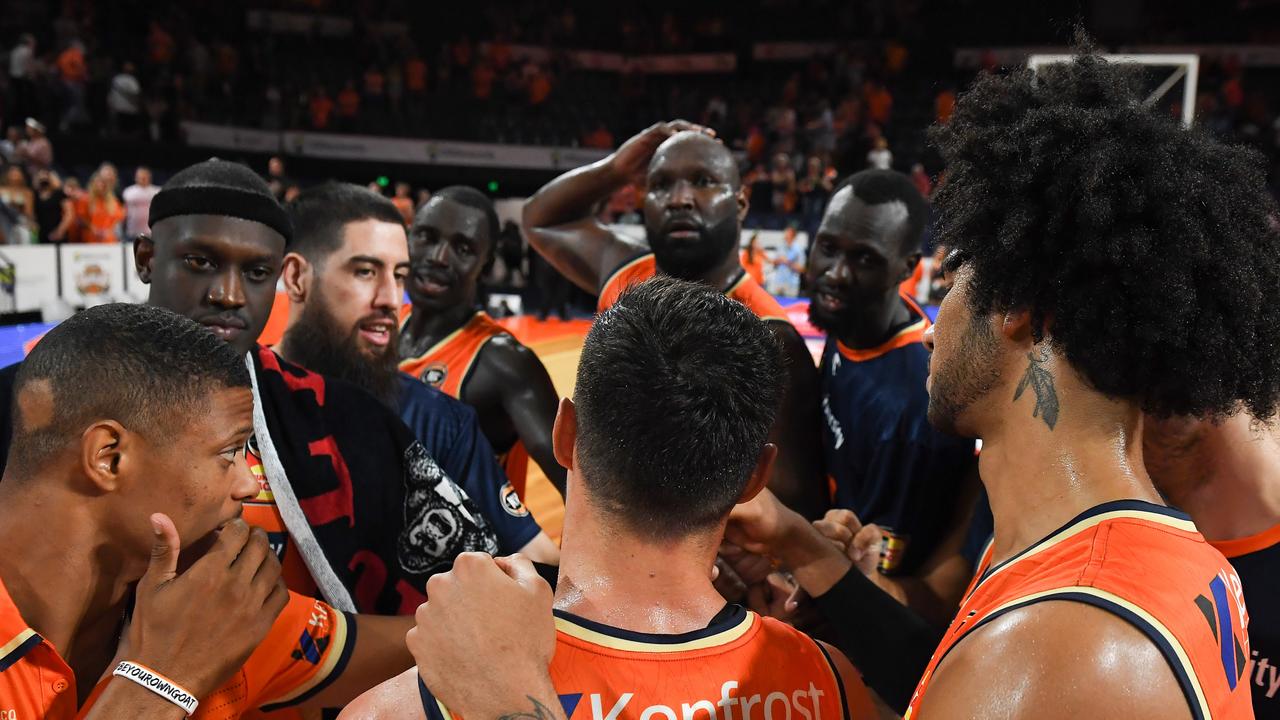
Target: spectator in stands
x: 600, y: 138
x: 9, y: 146
x: 124, y: 101
x: 423, y: 196
x: 880, y: 157
x: 415, y: 83
x: 55, y: 212
x: 22, y: 86
x: 943, y: 105
x: 813, y: 189
x: 19, y: 204
x: 879, y: 102
x: 99, y: 213
x: 753, y: 259
x: 921, y: 180
x: 482, y: 78
x: 348, y: 107
x: 137, y: 203
x: 73, y: 72
x: 37, y: 152
x: 276, y: 178
x: 403, y: 200
x: 320, y: 108
x: 783, y: 178
x: 790, y: 265
x: 539, y: 86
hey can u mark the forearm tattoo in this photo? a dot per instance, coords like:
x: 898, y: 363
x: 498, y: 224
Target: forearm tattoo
x: 539, y: 712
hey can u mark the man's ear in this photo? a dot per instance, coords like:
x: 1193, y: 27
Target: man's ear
x: 564, y: 433
x: 743, y: 204
x: 760, y: 475
x: 909, y: 266
x: 297, y: 275
x: 107, y: 454
x: 144, y: 252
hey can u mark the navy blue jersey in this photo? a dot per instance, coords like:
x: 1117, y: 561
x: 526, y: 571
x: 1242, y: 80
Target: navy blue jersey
x: 1256, y: 560
x: 449, y: 430
x: 886, y: 462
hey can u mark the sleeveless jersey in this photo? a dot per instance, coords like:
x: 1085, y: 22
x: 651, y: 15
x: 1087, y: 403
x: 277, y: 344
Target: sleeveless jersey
x: 1257, y: 560
x: 1146, y: 564
x: 743, y: 289
x: 739, y: 666
x: 447, y: 365
x: 885, y: 461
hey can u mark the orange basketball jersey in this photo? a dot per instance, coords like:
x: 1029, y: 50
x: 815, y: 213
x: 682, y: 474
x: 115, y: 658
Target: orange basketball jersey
x: 745, y: 289
x: 446, y: 367
x: 1150, y: 566
x: 739, y: 666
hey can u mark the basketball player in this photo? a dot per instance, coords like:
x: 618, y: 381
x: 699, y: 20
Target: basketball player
x: 693, y: 212
x: 127, y: 469
x: 1225, y: 475
x: 887, y: 464
x: 676, y: 391
x: 360, y: 513
x: 453, y: 345
x: 344, y: 275
x: 1104, y: 255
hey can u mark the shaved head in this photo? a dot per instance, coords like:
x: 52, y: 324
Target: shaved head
x: 697, y: 147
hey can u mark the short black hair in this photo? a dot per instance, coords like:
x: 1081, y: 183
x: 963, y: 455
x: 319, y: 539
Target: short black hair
x: 472, y: 197
x: 141, y: 365
x: 676, y: 391
x: 319, y: 215
x: 1146, y: 250
x: 876, y: 187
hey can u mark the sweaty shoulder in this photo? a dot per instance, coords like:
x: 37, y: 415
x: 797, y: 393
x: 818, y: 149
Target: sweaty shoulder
x: 395, y: 699
x: 1055, y: 660
x: 508, y: 359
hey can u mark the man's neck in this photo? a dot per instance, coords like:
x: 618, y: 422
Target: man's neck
x: 722, y: 275
x: 69, y: 582
x: 1039, y: 477
x: 1241, y: 494
x: 876, y: 323
x: 430, y: 325
x: 614, y: 577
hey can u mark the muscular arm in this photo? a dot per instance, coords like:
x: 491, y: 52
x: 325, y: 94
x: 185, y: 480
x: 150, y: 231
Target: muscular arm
x: 558, y: 223
x: 379, y: 653
x: 1055, y: 660
x: 797, y: 476
x: 511, y: 375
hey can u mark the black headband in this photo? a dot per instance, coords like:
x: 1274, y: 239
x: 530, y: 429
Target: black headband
x: 221, y: 200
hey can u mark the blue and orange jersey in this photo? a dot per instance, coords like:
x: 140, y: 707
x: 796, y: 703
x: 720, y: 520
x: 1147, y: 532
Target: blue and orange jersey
x: 1144, y: 563
x: 1257, y: 560
x: 885, y: 461
x: 744, y: 288
x: 738, y: 664
x: 305, y: 650
x: 448, y: 364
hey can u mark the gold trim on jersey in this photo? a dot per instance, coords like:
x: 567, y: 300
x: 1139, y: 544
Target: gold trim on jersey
x: 443, y: 341
x: 724, y: 637
x: 1076, y: 528
x: 334, y: 653
x: 1183, y: 659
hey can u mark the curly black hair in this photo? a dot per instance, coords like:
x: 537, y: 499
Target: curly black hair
x: 1147, y: 251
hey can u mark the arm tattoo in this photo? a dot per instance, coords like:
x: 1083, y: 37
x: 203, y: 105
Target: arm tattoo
x: 539, y: 712
x: 1041, y: 381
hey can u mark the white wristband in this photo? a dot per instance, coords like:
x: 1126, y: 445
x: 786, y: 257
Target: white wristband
x: 158, y: 684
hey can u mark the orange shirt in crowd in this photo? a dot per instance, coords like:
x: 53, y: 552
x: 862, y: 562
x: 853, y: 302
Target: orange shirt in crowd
x: 599, y: 138
x: 99, y: 221
x: 539, y: 88
x: 71, y: 65
x: 415, y: 75
x: 944, y: 105
x: 321, y: 108
x: 500, y: 54
x: 375, y: 82
x: 879, y: 103
x: 348, y: 102
x: 405, y: 206
x: 482, y: 81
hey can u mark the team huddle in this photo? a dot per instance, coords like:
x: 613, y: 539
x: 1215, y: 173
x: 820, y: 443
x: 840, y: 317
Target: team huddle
x: 204, y: 526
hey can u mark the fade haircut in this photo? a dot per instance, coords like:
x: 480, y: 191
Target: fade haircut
x: 321, y: 214
x: 677, y: 388
x: 142, y: 366
x: 877, y: 187
x: 1148, y: 251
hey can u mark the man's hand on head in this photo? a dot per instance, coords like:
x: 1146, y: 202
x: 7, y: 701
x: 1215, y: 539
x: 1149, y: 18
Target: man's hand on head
x: 632, y: 159
x: 483, y: 614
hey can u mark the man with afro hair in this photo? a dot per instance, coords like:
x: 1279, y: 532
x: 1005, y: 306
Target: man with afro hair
x: 1110, y: 265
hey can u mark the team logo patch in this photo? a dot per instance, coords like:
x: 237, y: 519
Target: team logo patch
x: 434, y: 374
x: 511, y: 502
x: 310, y: 648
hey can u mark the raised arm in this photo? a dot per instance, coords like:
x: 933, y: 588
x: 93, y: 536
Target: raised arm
x: 558, y: 220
